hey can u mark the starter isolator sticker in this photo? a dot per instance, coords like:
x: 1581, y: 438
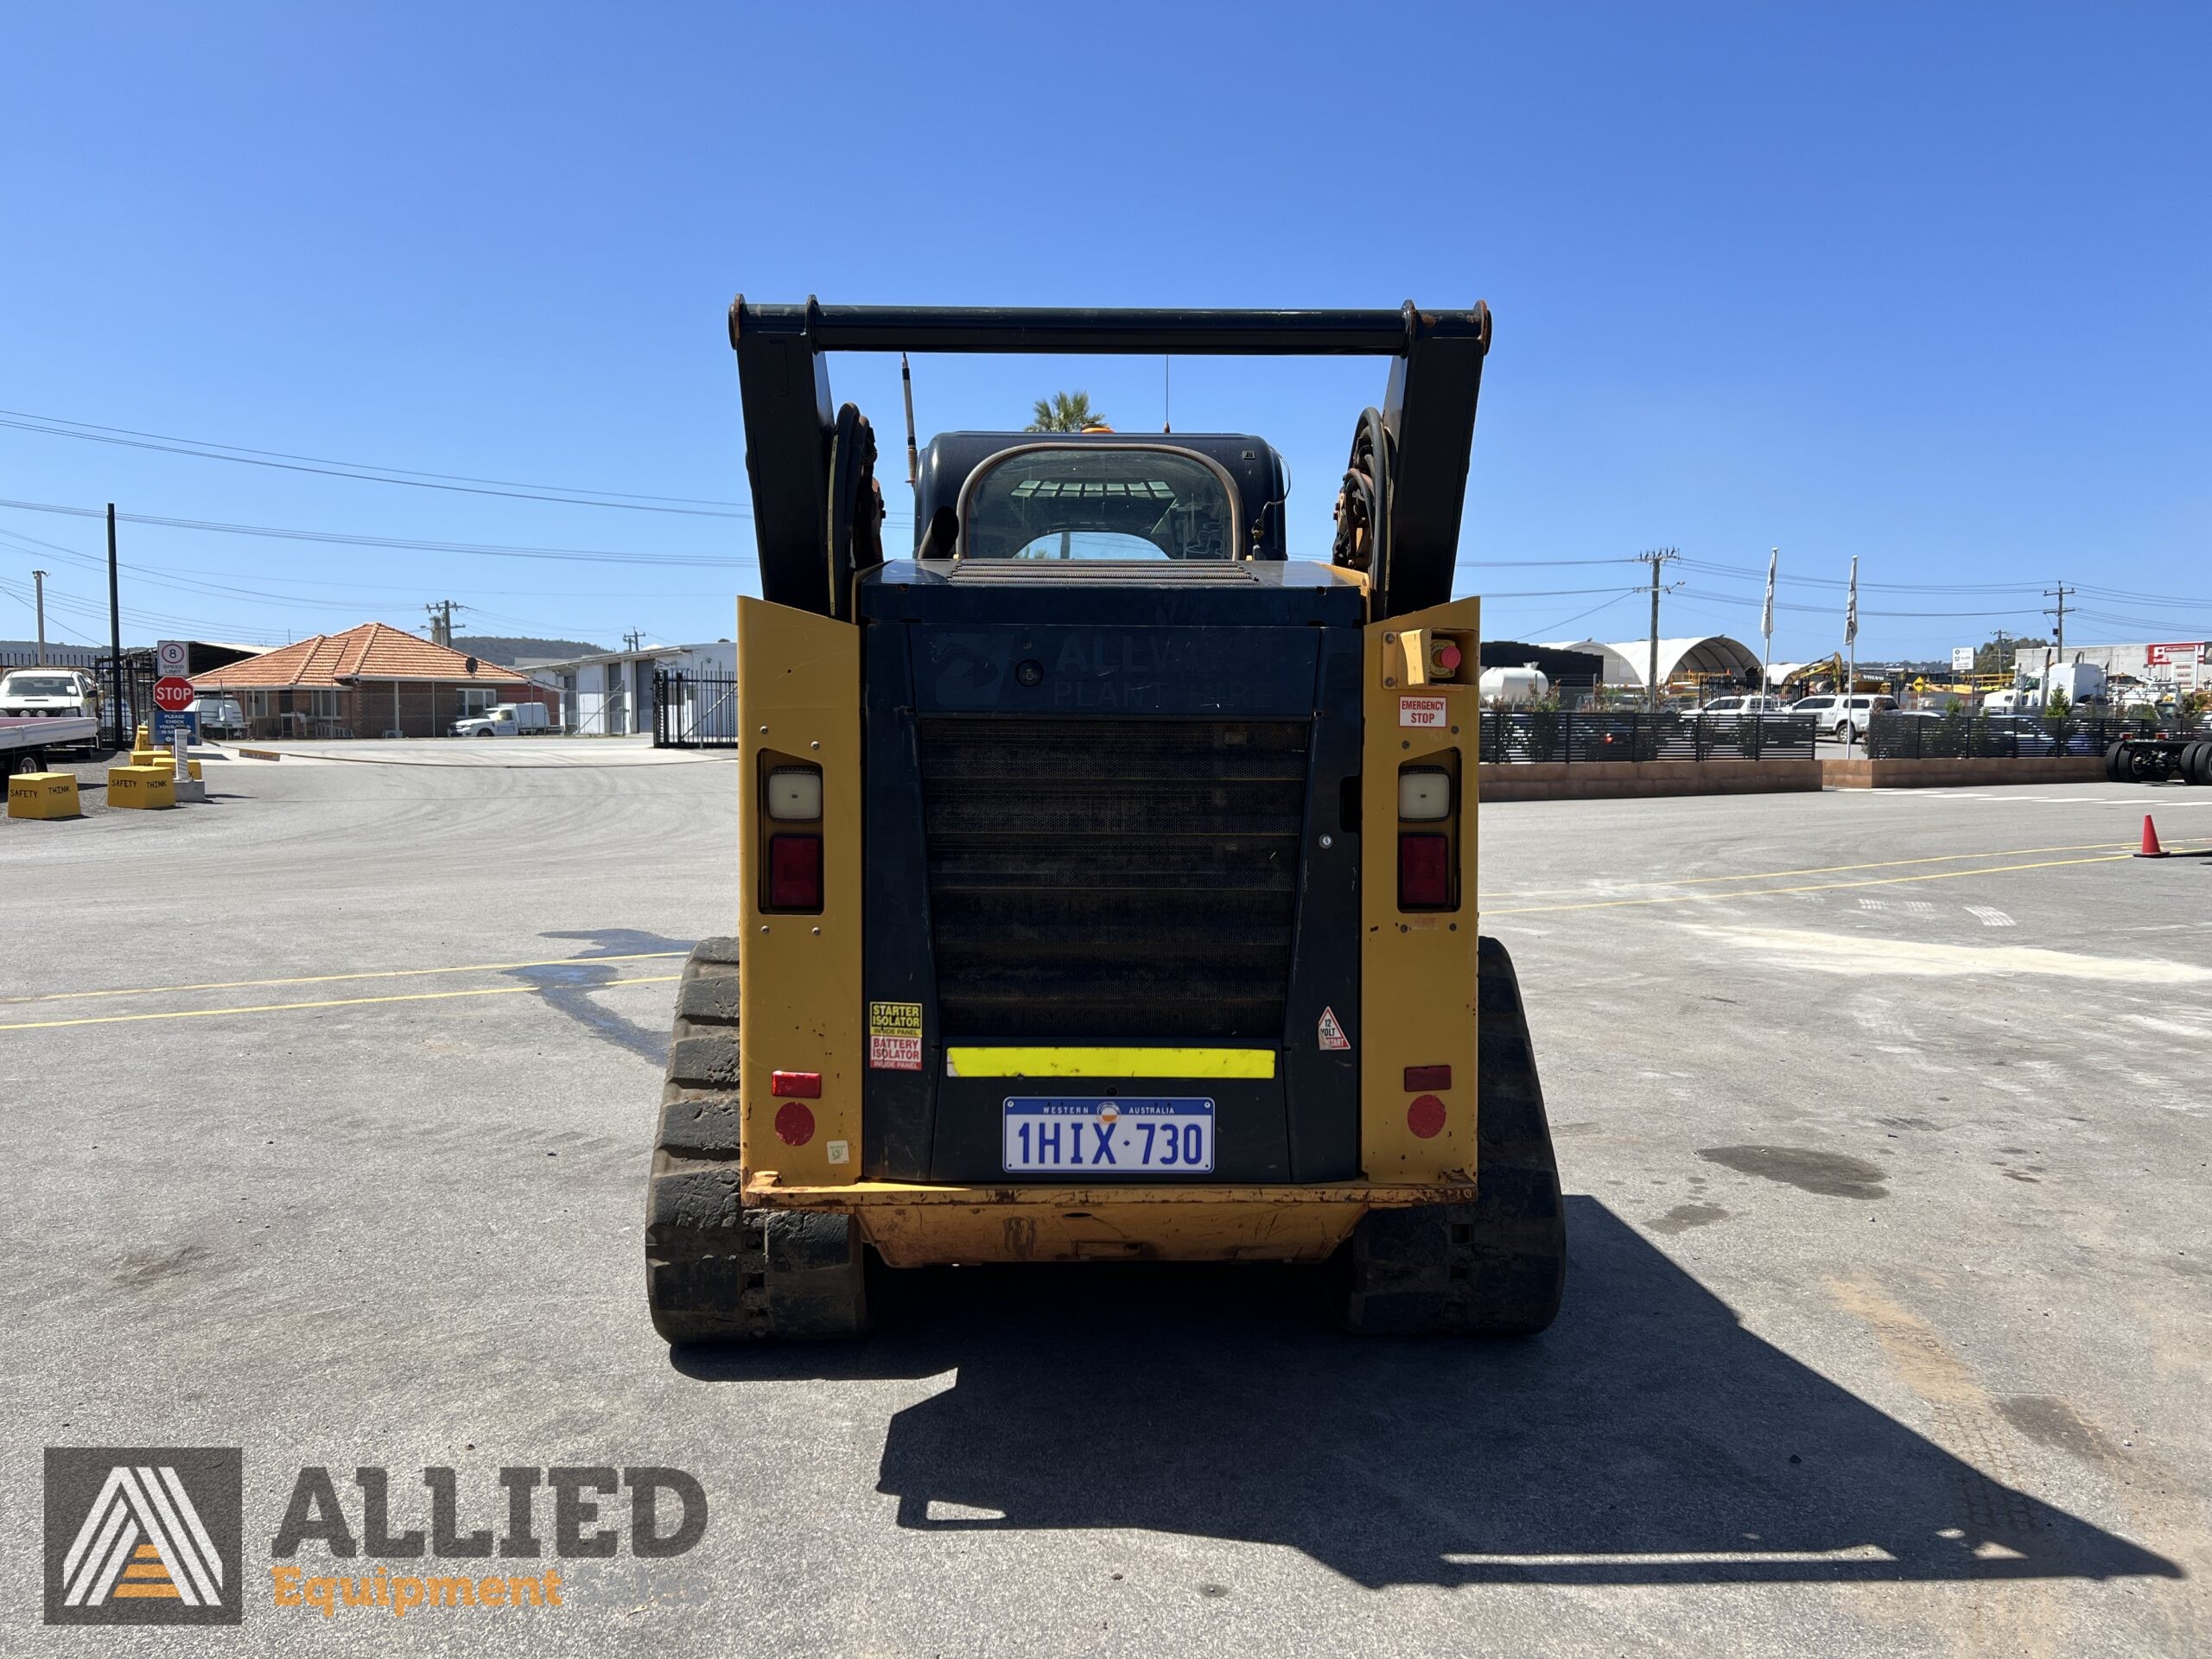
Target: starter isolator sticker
x: 894, y: 1036
x: 1424, y: 712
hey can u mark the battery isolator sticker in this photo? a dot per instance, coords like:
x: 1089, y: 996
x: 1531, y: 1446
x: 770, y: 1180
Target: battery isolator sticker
x: 894, y: 1036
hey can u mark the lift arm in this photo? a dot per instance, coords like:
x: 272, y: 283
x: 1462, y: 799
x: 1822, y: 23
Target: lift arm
x: 789, y: 418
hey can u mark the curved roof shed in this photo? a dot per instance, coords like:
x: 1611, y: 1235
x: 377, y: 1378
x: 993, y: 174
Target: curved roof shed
x: 1712, y: 653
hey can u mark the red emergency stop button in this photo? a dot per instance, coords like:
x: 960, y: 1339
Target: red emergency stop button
x: 1447, y: 656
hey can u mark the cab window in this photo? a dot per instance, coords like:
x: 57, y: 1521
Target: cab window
x: 1119, y: 501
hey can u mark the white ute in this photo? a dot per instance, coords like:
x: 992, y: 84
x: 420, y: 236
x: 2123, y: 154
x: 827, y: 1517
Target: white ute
x: 505, y: 720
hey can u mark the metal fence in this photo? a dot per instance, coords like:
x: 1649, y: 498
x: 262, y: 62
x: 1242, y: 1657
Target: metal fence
x: 1511, y: 735
x: 694, y: 711
x: 1961, y: 735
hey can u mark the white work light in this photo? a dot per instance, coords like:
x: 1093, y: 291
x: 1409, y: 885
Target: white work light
x: 1424, y: 794
x: 795, y: 794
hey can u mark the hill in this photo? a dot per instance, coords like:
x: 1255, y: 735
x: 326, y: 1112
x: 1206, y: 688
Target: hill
x: 505, y: 649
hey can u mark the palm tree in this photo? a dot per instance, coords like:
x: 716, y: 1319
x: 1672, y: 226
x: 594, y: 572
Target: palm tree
x: 1065, y: 411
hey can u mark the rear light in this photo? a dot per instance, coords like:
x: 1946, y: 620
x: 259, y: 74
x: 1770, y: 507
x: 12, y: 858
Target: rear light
x: 1425, y: 1117
x: 795, y: 794
x: 795, y: 872
x: 1424, y: 872
x: 1424, y: 794
x: 796, y: 1085
x: 1418, y: 1078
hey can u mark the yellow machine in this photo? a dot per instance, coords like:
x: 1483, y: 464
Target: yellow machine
x: 1106, y: 876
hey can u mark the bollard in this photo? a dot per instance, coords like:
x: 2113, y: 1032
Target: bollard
x: 134, y: 787
x: 43, y: 795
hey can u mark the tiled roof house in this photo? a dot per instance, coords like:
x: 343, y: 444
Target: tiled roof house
x: 367, y: 682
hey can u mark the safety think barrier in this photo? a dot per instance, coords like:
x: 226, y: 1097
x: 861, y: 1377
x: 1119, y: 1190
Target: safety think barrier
x: 1537, y: 736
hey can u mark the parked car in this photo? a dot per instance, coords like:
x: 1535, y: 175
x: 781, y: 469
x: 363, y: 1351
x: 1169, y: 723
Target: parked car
x: 1728, y: 710
x: 1838, y: 715
x: 505, y: 720
x: 220, y: 716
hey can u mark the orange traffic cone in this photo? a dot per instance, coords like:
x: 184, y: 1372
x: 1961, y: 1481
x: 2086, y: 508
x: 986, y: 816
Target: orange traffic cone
x: 2150, y: 847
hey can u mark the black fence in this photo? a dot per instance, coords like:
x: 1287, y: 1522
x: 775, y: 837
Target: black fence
x: 1513, y: 736
x: 1961, y: 735
x: 695, y: 711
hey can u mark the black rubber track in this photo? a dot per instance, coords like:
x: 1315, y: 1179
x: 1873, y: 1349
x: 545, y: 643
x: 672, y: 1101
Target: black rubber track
x: 715, y: 1271
x: 1494, y: 1268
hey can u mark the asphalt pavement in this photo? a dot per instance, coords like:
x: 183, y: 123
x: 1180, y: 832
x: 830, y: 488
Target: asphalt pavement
x: 1884, y: 1115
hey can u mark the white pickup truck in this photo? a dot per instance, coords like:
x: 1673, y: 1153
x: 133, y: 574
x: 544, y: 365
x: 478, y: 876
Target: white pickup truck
x: 42, y: 710
x: 505, y: 720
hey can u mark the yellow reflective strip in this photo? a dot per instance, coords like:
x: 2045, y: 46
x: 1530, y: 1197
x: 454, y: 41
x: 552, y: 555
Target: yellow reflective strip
x: 1109, y: 1063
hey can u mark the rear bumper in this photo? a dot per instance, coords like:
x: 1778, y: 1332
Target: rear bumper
x: 913, y: 1224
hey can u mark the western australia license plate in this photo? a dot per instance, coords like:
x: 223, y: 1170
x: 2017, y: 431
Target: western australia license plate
x: 1099, y: 1137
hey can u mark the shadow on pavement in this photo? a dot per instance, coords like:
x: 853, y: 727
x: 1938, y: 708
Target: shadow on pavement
x: 567, y: 986
x: 1646, y: 1439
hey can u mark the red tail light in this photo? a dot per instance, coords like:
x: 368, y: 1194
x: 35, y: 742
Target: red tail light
x: 796, y: 1085
x: 795, y: 872
x: 1423, y: 873
x: 1420, y: 1077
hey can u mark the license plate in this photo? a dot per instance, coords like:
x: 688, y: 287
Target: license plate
x: 1097, y: 1136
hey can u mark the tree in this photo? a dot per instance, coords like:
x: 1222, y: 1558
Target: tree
x: 1065, y: 411
x: 1996, y: 656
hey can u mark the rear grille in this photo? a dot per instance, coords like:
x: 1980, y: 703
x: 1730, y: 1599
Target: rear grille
x: 1096, y: 879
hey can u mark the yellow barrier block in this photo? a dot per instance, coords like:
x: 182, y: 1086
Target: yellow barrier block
x: 42, y: 795
x: 140, y: 786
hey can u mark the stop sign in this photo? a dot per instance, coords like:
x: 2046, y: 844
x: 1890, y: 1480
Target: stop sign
x: 173, y: 694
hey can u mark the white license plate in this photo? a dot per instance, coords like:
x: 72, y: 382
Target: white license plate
x: 1097, y: 1136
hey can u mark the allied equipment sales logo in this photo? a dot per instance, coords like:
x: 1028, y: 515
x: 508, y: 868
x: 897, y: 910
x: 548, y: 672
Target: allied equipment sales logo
x: 139, y: 1534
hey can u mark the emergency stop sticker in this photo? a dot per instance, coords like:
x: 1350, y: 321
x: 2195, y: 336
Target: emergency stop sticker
x: 894, y: 1036
x: 1425, y: 712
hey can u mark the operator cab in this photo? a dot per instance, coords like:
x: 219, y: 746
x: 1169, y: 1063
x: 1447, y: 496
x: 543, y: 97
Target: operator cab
x: 1099, y: 495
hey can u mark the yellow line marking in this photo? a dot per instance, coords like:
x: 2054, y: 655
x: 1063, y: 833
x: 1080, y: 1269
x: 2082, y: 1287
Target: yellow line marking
x: 325, y: 979
x: 1838, y: 869
x: 1815, y: 886
x: 338, y: 1002
x: 1109, y: 1063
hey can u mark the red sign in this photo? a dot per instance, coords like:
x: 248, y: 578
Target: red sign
x: 173, y: 695
x: 2187, y: 651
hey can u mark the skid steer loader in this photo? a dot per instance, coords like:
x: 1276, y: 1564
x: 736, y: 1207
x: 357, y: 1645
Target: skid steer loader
x: 1106, y: 874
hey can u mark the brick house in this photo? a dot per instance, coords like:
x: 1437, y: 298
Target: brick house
x: 368, y: 682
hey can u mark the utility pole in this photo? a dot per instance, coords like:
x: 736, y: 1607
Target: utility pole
x: 441, y: 614
x: 2060, y: 593
x: 114, y: 632
x: 631, y: 640
x: 1651, y: 673
x: 38, y: 587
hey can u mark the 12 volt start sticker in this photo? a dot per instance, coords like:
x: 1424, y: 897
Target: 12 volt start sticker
x: 894, y: 1036
x: 1423, y: 712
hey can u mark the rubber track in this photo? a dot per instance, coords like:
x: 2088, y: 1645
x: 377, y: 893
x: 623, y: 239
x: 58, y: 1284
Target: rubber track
x: 1495, y: 1267
x: 715, y: 1271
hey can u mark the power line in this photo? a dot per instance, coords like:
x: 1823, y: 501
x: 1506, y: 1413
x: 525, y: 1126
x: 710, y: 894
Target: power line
x: 342, y: 538
x: 369, y: 472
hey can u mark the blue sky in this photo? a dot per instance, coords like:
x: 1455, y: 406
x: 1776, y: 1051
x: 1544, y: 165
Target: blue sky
x: 1926, y: 285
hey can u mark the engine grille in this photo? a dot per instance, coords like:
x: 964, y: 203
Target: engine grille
x: 1112, y: 879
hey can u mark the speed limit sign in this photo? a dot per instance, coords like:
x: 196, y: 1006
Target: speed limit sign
x: 170, y: 657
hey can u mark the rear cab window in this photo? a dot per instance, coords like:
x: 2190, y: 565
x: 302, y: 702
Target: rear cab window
x: 1122, y: 501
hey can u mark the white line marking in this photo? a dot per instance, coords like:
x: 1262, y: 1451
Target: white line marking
x: 1989, y: 916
